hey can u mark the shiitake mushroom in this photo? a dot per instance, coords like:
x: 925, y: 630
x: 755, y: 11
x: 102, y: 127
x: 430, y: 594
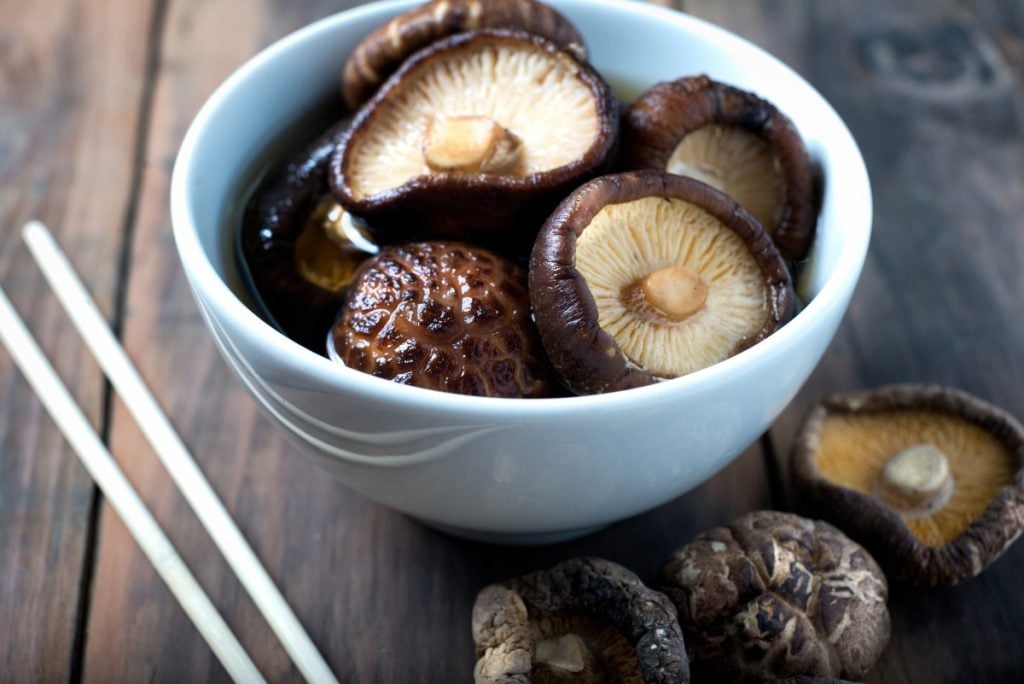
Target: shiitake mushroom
x: 774, y: 595
x: 296, y: 243
x: 379, y: 54
x: 476, y: 137
x: 736, y: 142
x: 643, y: 276
x: 442, y: 315
x: 584, y: 620
x: 930, y: 478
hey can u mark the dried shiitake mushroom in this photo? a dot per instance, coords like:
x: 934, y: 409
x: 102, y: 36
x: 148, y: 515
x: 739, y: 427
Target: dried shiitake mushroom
x: 442, y: 315
x: 774, y: 595
x: 381, y: 52
x: 476, y: 137
x: 733, y: 141
x: 298, y: 247
x: 643, y: 276
x: 931, y: 479
x: 584, y: 620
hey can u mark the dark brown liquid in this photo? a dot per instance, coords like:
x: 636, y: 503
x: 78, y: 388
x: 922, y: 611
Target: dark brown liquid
x: 287, y: 247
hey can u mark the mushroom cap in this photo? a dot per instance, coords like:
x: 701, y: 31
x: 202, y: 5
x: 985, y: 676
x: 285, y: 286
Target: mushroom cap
x: 598, y: 326
x: 379, y: 54
x: 292, y: 251
x: 561, y: 111
x: 842, y: 450
x: 585, y: 619
x: 774, y: 595
x: 442, y: 315
x: 734, y: 141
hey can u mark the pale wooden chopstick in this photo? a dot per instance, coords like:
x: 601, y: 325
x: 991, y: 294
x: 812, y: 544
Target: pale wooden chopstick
x: 173, y: 454
x: 119, y: 492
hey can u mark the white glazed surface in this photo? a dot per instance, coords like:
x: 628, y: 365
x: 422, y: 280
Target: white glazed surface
x: 503, y: 468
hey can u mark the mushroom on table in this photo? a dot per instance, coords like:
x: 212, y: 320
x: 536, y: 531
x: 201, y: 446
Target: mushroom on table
x: 773, y: 595
x: 931, y: 479
x: 583, y: 620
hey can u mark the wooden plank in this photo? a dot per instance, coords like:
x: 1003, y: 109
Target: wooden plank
x: 384, y: 598
x: 929, y: 92
x: 71, y: 75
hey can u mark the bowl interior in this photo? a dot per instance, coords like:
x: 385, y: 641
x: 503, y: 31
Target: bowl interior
x: 633, y: 45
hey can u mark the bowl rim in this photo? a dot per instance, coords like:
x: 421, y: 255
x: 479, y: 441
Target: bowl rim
x: 203, y: 276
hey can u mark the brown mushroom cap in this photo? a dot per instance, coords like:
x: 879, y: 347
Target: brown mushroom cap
x: 930, y: 479
x: 476, y: 137
x: 381, y: 52
x: 774, y: 595
x: 735, y: 142
x: 584, y: 620
x: 445, y: 316
x: 644, y: 276
x: 295, y: 244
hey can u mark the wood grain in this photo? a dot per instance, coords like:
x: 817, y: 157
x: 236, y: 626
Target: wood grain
x: 932, y: 91
x: 71, y: 74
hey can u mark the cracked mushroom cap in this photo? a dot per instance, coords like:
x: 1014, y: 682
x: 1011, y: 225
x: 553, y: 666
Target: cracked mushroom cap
x: 931, y: 479
x: 296, y: 243
x: 442, y: 315
x: 584, y: 620
x: 476, y: 138
x: 384, y: 50
x: 733, y: 141
x: 774, y: 595
x: 644, y: 276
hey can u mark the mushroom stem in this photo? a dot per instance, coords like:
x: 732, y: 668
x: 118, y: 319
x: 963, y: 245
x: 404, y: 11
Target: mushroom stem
x: 471, y: 144
x: 916, y: 481
x: 323, y: 255
x: 566, y: 653
x: 676, y: 291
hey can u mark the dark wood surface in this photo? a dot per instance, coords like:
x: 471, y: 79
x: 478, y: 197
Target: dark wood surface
x: 94, y: 100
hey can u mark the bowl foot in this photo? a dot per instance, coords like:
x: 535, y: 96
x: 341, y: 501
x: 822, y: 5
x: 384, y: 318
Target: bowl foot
x: 512, y: 538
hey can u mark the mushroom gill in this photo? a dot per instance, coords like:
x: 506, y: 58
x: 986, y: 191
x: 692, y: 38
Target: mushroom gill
x: 641, y: 276
x: 734, y: 141
x: 584, y: 620
x: 931, y: 479
x: 632, y: 254
x: 475, y: 80
x: 854, y: 449
x: 476, y: 137
x: 379, y: 54
x: 740, y: 164
x: 574, y: 646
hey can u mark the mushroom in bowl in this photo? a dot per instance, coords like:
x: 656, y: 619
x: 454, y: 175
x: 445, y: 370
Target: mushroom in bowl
x: 639, y: 277
x: 476, y: 137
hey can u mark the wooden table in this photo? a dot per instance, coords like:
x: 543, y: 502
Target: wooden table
x: 94, y: 100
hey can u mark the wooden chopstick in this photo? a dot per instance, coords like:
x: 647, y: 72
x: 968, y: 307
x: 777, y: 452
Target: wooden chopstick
x: 119, y: 492
x: 172, y: 453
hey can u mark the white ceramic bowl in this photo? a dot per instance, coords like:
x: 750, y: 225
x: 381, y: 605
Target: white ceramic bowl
x: 513, y: 469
